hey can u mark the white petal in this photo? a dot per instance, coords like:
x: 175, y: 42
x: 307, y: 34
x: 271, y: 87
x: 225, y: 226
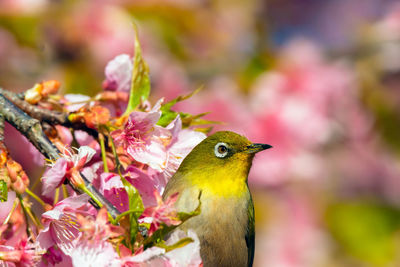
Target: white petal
x: 86, y: 151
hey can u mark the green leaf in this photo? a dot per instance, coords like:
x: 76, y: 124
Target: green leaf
x: 169, y: 115
x: 135, y: 209
x: 195, y: 120
x: 3, y: 191
x: 140, y: 87
x: 180, y: 243
x: 366, y: 230
x: 167, y: 106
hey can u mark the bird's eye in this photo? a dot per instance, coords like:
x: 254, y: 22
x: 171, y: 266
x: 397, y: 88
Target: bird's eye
x: 221, y: 150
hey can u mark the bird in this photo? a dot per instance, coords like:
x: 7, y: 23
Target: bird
x: 214, y: 175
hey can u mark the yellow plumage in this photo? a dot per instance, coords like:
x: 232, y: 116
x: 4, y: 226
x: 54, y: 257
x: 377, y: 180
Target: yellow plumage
x: 218, y: 168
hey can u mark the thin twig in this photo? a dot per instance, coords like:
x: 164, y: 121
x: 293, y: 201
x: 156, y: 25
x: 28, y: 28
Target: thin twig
x: 45, y: 115
x: 52, y: 117
x: 1, y: 129
x: 29, y: 127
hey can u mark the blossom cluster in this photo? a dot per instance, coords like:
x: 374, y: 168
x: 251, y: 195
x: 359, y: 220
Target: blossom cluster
x: 323, y: 91
x: 127, y: 149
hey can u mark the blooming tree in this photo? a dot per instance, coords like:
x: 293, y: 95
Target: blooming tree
x: 108, y: 160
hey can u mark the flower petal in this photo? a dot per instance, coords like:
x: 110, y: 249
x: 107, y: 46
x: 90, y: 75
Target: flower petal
x: 54, y: 176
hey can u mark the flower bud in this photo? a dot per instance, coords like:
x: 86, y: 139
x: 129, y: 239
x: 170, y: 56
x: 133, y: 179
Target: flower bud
x: 97, y: 115
x: 34, y: 95
x: 50, y: 87
x: 19, y: 179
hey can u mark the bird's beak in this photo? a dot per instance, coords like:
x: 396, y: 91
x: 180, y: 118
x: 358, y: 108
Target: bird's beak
x: 254, y: 148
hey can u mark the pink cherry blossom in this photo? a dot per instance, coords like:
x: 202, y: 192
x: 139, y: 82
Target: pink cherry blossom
x: 99, y: 228
x: 180, y: 144
x: 119, y: 74
x: 73, y: 102
x: 53, y: 256
x: 84, y: 139
x: 162, y: 149
x: 113, y: 189
x: 139, y: 140
x: 95, y: 254
x: 61, y: 227
x: 146, y: 183
x: 64, y: 134
x: 24, y: 254
x: 188, y: 255
x: 92, y: 249
x: 64, y: 167
x: 164, y: 212
x: 54, y: 177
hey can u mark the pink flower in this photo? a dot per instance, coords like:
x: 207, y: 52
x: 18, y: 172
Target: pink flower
x: 180, y: 143
x: 64, y: 134
x: 164, y: 212
x: 162, y: 149
x: 65, y: 167
x: 24, y: 254
x: 84, y: 139
x: 188, y: 255
x: 99, y: 228
x: 140, y: 138
x: 73, y: 102
x: 92, y: 248
x: 113, y: 189
x: 53, y: 256
x: 146, y: 183
x: 119, y: 74
x: 61, y: 225
x: 99, y: 254
x: 9, y: 254
x: 144, y: 258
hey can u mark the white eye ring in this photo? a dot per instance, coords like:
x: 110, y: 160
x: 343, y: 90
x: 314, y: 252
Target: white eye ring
x: 221, y: 150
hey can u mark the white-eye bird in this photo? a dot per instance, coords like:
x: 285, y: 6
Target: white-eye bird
x: 217, y: 170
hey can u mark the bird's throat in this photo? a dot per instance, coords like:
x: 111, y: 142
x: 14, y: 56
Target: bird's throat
x: 223, y: 182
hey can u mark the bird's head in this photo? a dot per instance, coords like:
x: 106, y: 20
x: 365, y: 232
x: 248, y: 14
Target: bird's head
x: 222, y: 156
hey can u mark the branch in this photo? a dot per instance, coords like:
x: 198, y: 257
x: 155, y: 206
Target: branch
x: 45, y: 115
x: 52, y: 117
x: 32, y: 129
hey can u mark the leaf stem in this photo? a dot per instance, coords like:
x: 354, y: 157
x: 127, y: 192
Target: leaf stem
x: 103, y: 152
x: 92, y: 196
x: 119, y: 217
x: 56, y: 196
x: 28, y: 232
x: 15, y: 204
x: 36, y: 197
x: 65, y: 191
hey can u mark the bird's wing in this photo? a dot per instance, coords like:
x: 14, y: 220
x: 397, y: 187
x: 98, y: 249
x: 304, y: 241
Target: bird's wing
x: 250, y: 234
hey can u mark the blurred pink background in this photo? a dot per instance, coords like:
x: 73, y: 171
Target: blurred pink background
x: 318, y: 80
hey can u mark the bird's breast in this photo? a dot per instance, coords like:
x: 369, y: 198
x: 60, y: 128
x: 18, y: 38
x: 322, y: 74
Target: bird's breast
x: 221, y: 226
